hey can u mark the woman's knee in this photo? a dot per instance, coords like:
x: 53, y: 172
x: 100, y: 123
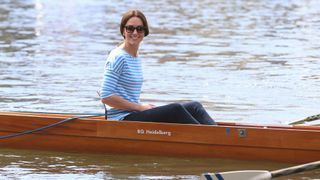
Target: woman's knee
x: 176, y: 107
x: 193, y: 105
x: 196, y: 103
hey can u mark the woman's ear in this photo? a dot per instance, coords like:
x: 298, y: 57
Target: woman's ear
x: 123, y: 34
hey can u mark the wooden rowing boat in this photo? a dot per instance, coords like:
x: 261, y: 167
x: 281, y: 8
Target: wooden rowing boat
x: 295, y: 144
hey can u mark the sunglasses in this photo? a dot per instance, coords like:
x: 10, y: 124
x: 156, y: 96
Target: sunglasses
x: 130, y: 29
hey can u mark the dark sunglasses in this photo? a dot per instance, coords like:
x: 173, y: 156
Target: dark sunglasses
x: 130, y: 29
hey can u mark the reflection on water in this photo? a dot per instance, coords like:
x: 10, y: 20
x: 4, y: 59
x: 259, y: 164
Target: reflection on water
x: 245, y: 60
x: 53, y: 165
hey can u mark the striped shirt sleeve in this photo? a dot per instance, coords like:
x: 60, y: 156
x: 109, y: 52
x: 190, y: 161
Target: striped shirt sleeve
x: 113, y: 69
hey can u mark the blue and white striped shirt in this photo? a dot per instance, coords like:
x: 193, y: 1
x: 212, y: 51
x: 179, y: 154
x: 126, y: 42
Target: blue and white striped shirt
x: 122, y: 77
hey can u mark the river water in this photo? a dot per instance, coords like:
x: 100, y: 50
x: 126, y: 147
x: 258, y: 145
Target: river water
x: 245, y: 60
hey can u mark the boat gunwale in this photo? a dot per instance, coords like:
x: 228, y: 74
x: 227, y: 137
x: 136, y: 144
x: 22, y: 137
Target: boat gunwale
x: 220, y: 124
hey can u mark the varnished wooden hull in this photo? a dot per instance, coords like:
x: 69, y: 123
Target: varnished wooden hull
x: 227, y: 140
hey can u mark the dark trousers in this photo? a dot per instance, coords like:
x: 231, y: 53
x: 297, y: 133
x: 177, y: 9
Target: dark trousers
x: 187, y: 113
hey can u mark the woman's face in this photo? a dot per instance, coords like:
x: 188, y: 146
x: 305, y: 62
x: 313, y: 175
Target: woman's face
x: 134, y: 31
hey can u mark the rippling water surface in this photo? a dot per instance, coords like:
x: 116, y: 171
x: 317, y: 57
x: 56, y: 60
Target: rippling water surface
x: 53, y: 165
x: 245, y: 60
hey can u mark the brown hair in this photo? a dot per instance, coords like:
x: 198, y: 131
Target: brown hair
x: 134, y: 13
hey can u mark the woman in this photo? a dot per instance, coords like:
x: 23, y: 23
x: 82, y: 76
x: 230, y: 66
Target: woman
x: 121, y: 87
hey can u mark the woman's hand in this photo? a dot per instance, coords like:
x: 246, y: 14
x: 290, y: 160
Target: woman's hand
x: 120, y: 103
x: 144, y: 107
